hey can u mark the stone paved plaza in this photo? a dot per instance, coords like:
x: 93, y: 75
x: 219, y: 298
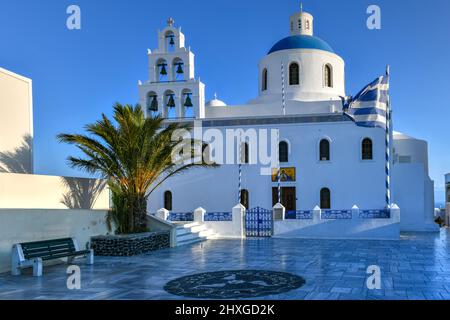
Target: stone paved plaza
x: 416, y: 267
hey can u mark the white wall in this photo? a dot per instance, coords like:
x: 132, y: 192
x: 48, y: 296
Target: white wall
x: 25, y: 225
x: 351, y: 180
x: 413, y: 192
x: 16, y: 123
x: 355, y: 228
x: 49, y: 192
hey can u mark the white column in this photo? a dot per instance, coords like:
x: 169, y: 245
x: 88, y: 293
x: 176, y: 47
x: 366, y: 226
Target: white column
x: 355, y: 212
x: 316, y: 214
x: 278, y: 212
x: 199, y: 215
x: 178, y: 105
x: 162, y: 214
x: 238, y: 213
x: 395, y: 213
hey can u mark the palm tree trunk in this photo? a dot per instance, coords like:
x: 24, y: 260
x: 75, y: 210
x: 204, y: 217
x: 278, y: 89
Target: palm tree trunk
x: 139, y: 213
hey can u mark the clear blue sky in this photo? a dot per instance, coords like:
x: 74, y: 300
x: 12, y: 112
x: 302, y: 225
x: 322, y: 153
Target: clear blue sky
x: 77, y: 75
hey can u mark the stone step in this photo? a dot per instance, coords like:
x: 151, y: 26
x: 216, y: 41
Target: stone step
x: 182, y: 231
x: 192, y: 241
x: 190, y: 224
x: 188, y: 236
x: 198, y: 228
x: 206, y: 233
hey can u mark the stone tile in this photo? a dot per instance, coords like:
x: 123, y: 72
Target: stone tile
x: 416, y: 267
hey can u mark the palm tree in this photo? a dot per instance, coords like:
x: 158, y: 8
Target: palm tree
x: 135, y: 156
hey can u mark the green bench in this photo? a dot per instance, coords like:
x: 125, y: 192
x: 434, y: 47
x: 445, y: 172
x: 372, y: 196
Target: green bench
x: 32, y: 254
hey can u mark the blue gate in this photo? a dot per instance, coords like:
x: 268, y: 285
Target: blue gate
x: 259, y: 222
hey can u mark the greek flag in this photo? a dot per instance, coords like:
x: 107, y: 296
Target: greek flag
x: 370, y: 107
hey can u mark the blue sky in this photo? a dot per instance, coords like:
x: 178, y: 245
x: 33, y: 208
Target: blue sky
x: 79, y: 74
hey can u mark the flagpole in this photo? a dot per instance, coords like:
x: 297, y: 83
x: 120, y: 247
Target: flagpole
x: 240, y: 170
x: 388, y: 144
x: 283, y: 104
x: 283, y: 92
x: 279, y: 167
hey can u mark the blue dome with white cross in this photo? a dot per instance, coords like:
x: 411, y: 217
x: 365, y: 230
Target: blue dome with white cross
x: 301, y: 42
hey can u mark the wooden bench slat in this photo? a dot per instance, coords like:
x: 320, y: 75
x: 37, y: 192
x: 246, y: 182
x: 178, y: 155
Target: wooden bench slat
x: 60, y: 255
x: 49, y: 252
x: 73, y: 254
x: 46, y: 242
x: 49, y: 248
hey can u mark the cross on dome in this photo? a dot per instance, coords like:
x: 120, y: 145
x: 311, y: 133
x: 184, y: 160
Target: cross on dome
x: 170, y: 22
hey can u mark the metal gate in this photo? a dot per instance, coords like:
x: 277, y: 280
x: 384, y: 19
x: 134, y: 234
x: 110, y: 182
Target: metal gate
x: 259, y: 222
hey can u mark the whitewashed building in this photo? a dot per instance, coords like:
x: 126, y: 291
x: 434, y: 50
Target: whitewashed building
x: 330, y: 162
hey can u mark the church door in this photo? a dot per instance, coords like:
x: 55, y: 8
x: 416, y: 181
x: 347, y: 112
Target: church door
x: 288, y: 198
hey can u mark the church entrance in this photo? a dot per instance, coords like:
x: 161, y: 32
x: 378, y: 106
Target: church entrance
x: 288, y: 198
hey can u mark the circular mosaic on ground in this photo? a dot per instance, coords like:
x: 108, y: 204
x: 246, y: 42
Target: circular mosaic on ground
x: 234, y: 284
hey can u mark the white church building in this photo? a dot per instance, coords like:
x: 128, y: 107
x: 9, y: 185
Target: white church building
x: 329, y: 164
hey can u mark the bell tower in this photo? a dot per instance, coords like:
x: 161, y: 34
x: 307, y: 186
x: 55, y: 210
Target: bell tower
x: 172, y: 89
x: 301, y: 23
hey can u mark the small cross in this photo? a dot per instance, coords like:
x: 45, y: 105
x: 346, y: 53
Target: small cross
x: 170, y: 22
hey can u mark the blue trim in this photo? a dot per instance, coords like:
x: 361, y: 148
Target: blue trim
x: 299, y: 215
x: 181, y: 216
x: 336, y: 214
x: 301, y: 42
x: 375, y: 214
x: 218, y: 216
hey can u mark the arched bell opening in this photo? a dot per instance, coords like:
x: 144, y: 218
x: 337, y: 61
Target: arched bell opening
x: 169, y: 105
x: 178, y: 70
x: 162, y: 73
x: 187, y: 104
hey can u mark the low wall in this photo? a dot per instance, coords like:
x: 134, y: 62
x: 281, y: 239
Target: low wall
x: 130, y: 244
x: 354, y: 228
x: 25, y: 225
x: 29, y: 191
x: 157, y: 224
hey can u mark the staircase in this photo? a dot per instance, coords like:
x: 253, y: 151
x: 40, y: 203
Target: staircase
x: 192, y: 232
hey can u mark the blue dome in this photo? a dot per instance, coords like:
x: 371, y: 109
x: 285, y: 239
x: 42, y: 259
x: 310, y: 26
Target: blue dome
x: 301, y: 42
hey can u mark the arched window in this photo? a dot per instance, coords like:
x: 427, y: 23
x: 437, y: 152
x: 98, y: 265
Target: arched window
x: 245, y: 200
x: 367, y: 149
x: 294, y: 74
x: 324, y: 150
x: 328, y: 76
x: 168, y: 200
x: 325, y: 198
x: 264, y: 80
x: 283, y: 151
x: 245, y: 153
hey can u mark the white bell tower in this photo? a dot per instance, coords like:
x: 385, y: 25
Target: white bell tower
x: 172, y: 89
x: 302, y: 23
